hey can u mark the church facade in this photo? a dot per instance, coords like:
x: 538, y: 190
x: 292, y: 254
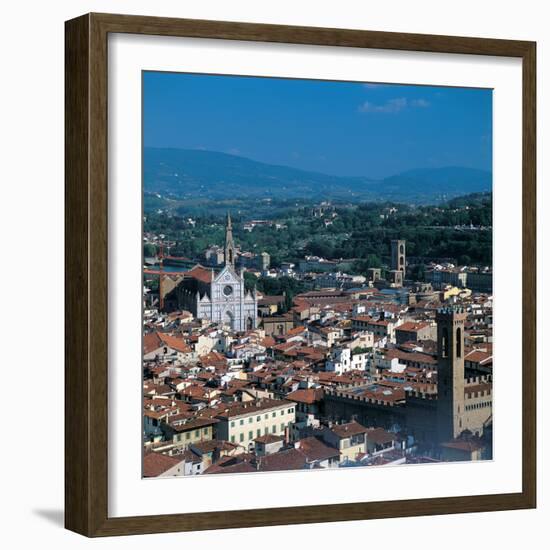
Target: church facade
x: 221, y: 296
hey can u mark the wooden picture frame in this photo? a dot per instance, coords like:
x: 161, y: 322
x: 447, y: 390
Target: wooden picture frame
x: 86, y: 280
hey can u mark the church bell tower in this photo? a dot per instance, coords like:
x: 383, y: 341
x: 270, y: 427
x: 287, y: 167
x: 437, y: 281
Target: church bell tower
x: 450, y: 373
x: 229, y: 252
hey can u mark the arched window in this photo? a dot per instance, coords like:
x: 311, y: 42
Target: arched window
x: 444, y: 342
x: 401, y: 249
x: 458, y: 343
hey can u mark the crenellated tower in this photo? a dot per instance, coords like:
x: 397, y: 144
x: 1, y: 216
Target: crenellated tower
x: 450, y: 373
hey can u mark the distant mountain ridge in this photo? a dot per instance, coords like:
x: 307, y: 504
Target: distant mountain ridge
x: 189, y: 173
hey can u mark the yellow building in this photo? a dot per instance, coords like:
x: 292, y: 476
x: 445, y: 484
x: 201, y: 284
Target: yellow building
x: 184, y: 432
x: 242, y: 423
x: 350, y: 439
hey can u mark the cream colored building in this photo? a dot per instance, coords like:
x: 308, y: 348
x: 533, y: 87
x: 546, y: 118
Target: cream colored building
x: 350, y: 439
x: 242, y: 423
x: 185, y: 432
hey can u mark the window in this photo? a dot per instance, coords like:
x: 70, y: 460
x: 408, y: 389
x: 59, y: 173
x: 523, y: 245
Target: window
x: 266, y: 430
x: 273, y: 428
x: 258, y: 432
x: 458, y: 342
x: 197, y: 433
x: 444, y: 342
x: 187, y: 435
x: 205, y: 431
x: 232, y: 439
x: 258, y: 418
x: 241, y: 437
x: 250, y: 435
x: 233, y: 424
x: 228, y: 289
x: 282, y: 427
x: 273, y: 414
x: 242, y: 421
x: 250, y: 420
x: 282, y: 412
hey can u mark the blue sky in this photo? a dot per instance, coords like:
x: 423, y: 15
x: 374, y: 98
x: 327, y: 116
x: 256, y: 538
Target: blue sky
x: 341, y: 128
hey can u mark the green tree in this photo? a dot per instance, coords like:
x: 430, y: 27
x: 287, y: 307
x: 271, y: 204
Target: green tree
x: 149, y: 250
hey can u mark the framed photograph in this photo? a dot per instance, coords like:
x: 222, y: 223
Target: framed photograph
x: 294, y: 257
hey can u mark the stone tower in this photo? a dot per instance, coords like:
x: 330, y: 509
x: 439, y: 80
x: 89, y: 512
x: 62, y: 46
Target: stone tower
x: 229, y: 251
x: 398, y: 255
x: 450, y: 373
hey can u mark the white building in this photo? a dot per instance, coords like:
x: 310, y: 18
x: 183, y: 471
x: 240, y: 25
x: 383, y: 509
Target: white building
x: 220, y: 297
x: 342, y: 359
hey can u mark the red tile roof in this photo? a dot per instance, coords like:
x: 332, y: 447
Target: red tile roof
x: 349, y: 429
x: 155, y: 464
x: 291, y: 459
x: 246, y: 408
x: 269, y: 438
x: 412, y: 326
x: 308, y: 396
x: 239, y: 468
x: 314, y: 449
x: 380, y: 436
x: 156, y: 340
x: 200, y: 273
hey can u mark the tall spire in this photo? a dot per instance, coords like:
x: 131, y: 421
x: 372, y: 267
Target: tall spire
x: 229, y: 254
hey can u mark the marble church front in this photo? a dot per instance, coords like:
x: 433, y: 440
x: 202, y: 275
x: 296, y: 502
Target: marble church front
x: 219, y: 297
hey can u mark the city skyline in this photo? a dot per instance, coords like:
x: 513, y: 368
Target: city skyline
x: 296, y: 320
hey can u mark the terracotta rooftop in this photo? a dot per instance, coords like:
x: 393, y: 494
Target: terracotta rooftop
x: 349, y: 429
x: 232, y: 468
x: 200, y: 273
x: 211, y: 445
x: 412, y: 326
x: 314, y: 449
x: 380, y: 436
x: 156, y: 340
x: 155, y: 464
x: 308, y: 396
x: 246, y: 408
x: 292, y: 459
x: 467, y: 445
x: 191, y: 424
x: 477, y: 356
x: 269, y: 438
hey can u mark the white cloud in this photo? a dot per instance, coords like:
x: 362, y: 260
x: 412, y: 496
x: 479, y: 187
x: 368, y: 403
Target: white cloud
x: 392, y: 105
x: 372, y: 85
x: 420, y: 103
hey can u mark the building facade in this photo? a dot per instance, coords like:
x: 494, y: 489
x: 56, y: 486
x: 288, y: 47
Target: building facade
x: 220, y: 297
x: 245, y: 422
